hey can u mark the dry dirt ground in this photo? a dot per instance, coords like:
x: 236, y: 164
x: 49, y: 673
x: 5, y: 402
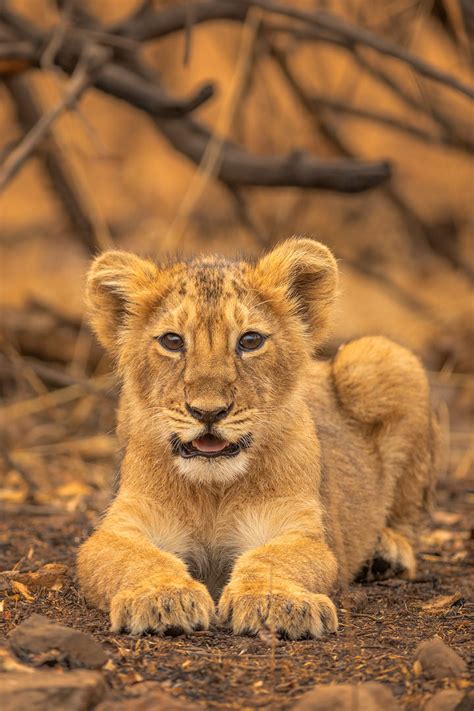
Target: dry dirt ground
x: 68, y: 479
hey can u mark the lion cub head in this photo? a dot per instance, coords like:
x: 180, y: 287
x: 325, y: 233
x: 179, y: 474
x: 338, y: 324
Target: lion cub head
x: 212, y: 352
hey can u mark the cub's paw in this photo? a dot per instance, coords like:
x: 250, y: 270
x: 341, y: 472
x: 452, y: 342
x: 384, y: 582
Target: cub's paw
x: 393, y: 556
x: 292, y: 612
x: 169, y: 609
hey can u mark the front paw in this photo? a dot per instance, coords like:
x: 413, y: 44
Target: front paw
x: 184, y: 607
x: 291, y: 611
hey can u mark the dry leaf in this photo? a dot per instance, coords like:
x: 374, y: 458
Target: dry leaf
x: 13, y: 496
x: 441, y: 603
x: 22, y: 589
x: 439, y: 537
x: 73, y: 489
x: 51, y: 576
x: 446, y: 518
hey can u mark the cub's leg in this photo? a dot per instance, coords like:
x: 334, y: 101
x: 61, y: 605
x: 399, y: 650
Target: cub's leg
x: 122, y: 570
x: 383, y: 386
x: 393, y: 555
x: 283, y: 584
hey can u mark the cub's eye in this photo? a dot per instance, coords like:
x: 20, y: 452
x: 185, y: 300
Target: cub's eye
x: 251, y: 341
x: 171, y: 341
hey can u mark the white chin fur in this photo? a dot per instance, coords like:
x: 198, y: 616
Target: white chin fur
x: 221, y: 470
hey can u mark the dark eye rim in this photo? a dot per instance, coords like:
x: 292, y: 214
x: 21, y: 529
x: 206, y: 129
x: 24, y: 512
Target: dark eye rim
x: 243, y: 349
x: 161, y: 341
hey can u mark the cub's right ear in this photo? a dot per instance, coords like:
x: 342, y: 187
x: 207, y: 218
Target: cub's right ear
x: 119, y: 285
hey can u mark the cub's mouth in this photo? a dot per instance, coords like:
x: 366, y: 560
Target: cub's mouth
x: 209, y: 446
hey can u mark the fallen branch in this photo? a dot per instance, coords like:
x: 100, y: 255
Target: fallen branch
x: 82, y: 77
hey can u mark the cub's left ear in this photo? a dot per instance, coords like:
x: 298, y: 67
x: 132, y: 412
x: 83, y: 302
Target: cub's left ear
x: 303, y: 272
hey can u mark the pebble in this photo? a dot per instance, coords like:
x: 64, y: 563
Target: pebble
x: 347, y: 697
x: 438, y: 661
x: 156, y: 701
x: 450, y: 700
x: 78, y: 690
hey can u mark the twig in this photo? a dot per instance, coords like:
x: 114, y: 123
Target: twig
x: 243, y: 213
x: 46, y: 373
x: 57, y: 38
x: 82, y: 77
x: 362, y: 36
x: 17, y: 50
x: 47, y: 60
x: 415, y: 225
x: 451, y: 132
x: 29, y: 482
x: 54, y: 399
x: 210, y: 162
x: 57, y: 168
x: 318, y: 100
x: 188, y: 33
x: 402, y: 295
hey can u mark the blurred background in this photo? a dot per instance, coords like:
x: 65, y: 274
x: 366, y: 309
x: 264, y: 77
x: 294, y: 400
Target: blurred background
x: 226, y: 126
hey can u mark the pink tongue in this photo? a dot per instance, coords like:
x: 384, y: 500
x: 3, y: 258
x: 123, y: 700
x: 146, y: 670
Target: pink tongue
x: 210, y: 444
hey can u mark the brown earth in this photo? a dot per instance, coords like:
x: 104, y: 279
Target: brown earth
x: 376, y: 641
x: 382, y: 623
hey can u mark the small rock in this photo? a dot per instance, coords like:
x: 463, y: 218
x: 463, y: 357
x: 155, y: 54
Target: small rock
x: 438, y: 661
x: 347, y: 697
x: 156, y: 701
x: 39, y: 641
x: 52, y: 691
x: 450, y: 700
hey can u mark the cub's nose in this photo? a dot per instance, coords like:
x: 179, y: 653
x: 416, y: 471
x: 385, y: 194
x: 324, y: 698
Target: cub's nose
x: 209, y: 416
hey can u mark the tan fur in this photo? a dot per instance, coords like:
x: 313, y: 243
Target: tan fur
x: 339, y: 468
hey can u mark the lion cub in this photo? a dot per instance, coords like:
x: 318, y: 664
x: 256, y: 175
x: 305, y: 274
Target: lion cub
x: 253, y: 475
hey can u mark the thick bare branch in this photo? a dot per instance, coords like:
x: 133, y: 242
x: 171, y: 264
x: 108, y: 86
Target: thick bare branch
x: 17, y: 50
x: 152, y: 24
x: 120, y: 81
x: 237, y: 167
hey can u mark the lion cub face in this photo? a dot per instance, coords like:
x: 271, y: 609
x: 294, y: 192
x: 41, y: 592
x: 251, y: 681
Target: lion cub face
x: 211, y: 352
